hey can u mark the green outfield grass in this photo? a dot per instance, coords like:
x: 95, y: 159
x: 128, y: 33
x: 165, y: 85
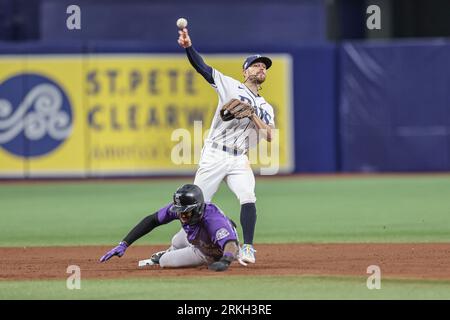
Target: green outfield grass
x: 227, y: 288
x: 360, y: 209
x: 353, y: 209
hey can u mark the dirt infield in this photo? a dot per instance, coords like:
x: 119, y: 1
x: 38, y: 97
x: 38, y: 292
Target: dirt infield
x: 411, y: 261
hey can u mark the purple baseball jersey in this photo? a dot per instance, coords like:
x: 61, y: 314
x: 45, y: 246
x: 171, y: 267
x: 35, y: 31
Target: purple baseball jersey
x: 212, y: 232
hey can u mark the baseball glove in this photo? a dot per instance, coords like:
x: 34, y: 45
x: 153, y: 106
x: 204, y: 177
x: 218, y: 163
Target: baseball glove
x: 236, y: 109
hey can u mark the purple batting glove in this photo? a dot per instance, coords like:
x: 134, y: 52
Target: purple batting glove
x: 117, y: 251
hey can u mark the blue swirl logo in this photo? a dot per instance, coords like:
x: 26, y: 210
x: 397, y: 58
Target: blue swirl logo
x: 35, y: 115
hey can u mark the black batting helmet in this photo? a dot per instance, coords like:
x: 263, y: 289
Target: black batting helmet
x: 189, y: 198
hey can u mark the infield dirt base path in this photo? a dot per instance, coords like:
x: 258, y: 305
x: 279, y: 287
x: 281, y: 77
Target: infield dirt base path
x: 406, y: 261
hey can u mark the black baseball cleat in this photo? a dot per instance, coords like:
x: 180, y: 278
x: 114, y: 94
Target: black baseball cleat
x: 156, y: 256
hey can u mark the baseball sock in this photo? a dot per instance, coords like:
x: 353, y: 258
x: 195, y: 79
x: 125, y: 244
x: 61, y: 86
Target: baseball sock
x: 248, y: 221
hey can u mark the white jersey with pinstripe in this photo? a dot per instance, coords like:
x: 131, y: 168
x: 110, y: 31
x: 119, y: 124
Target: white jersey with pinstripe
x: 234, y: 133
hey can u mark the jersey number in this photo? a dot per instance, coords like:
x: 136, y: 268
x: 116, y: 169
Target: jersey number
x: 260, y: 112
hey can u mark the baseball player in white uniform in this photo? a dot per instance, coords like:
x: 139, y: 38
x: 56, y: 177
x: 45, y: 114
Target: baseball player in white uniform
x: 225, y: 151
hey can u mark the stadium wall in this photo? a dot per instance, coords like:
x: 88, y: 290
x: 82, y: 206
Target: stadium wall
x: 359, y: 107
x: 307, y: 125
x: 395, y: 106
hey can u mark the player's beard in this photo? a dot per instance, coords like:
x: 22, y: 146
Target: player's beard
x: 258, y: 78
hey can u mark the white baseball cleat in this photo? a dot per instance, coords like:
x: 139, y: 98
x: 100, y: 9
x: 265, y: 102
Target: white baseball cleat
x: 247, y: 254
x: 242, y: 262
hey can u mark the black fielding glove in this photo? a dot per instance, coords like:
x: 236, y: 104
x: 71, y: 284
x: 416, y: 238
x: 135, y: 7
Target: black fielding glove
x: 222, y: 264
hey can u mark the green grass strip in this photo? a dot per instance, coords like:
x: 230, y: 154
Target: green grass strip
x: 228, y: 288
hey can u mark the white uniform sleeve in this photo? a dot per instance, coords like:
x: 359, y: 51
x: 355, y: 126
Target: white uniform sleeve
x: 223, y: 85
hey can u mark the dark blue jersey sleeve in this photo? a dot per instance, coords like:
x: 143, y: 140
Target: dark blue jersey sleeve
x: 197, y: 62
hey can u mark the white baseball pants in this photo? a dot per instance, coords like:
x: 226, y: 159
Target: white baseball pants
x: 216, y: 165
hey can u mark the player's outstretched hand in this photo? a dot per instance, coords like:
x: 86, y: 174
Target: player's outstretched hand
x: 220, y: 265
x: 117, y: 251
x: 184, y: 40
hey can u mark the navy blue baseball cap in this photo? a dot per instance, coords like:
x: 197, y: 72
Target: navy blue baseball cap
x: 256, y: 58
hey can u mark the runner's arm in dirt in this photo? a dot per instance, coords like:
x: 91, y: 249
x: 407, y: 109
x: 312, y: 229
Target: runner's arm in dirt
x: 230, y: 252
x: 142, y: 228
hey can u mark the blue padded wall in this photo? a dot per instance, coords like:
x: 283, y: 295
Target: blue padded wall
x: 230, y: 23
x: 395, y: 106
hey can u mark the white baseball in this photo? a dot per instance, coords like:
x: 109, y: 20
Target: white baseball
x: 181, y: 23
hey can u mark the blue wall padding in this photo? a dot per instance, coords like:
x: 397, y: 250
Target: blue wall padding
x: 395, y: 106
x: 228, y: 23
